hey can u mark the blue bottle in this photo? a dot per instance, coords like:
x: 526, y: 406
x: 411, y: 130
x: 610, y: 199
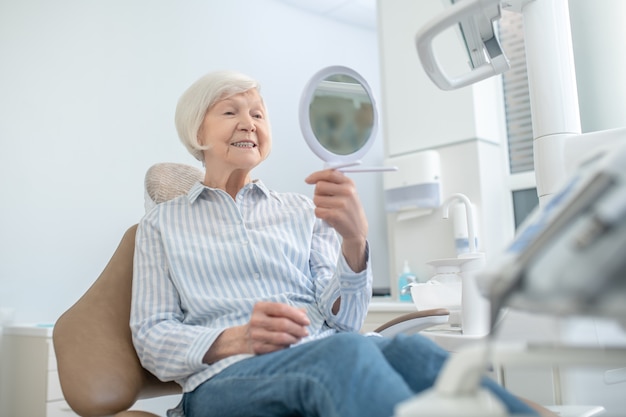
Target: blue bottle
x: 407, y: 277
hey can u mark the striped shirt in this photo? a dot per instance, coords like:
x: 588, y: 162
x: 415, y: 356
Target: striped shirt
x: 203, y: 260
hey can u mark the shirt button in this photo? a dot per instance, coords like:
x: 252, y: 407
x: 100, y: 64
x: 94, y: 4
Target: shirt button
x: 257, y: 275
x: 244, y: 242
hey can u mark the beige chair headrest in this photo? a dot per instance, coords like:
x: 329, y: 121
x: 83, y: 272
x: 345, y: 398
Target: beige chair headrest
x: 167, y: 180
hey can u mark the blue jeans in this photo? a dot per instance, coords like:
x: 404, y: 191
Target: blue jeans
x: 343, y: 375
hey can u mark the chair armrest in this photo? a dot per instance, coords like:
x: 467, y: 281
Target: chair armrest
x: 414, y: 322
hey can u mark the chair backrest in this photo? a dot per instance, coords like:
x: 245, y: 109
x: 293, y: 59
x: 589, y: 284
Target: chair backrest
x: 98, y: 367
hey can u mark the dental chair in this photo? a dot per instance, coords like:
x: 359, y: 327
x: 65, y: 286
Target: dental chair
x: 98, y: 367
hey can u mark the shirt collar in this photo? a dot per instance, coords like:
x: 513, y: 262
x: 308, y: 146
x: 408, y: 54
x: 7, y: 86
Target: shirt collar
x: 198, y: 188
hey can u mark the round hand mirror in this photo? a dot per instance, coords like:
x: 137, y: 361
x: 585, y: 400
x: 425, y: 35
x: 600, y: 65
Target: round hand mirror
x: 338, y: 118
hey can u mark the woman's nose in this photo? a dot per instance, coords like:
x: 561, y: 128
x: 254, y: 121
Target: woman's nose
x: 247, y: 123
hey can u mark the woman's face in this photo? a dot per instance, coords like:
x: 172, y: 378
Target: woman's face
x: 237, y: 132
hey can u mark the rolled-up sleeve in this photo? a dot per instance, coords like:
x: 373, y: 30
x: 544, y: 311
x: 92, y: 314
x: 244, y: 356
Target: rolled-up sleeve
x: 336, y: 280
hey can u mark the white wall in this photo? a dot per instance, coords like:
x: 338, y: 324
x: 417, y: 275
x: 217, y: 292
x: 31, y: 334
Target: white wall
x: 87, y: 96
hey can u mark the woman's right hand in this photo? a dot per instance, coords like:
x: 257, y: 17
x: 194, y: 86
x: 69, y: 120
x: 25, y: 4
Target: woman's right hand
x: 275, y: 326
x: 272, y: 326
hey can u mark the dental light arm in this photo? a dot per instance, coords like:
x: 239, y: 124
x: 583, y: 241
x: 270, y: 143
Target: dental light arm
x: 475, y: 20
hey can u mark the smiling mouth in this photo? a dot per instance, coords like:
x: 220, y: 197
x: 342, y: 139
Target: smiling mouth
x: 245, y: 145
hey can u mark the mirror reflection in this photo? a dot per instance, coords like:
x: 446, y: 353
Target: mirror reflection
x: 338, y: 118
x: 341, y: 114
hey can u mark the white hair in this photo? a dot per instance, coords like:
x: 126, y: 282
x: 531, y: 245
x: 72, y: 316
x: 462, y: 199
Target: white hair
x: 199, y: 97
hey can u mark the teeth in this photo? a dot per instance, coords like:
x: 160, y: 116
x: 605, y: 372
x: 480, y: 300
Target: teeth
x: 244, y: 145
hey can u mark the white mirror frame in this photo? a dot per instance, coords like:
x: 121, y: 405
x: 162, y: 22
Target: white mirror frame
x: 332, y: 159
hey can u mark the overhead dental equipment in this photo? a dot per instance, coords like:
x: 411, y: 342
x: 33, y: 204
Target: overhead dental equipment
x: 579, y: 230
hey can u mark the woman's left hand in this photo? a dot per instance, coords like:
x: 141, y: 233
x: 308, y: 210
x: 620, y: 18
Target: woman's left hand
x: 337, y: 202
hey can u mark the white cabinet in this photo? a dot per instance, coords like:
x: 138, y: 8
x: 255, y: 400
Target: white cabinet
x: 30, y: 381
x: 418, y: 115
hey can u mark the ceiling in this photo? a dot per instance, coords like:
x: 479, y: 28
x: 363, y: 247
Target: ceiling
x: 355, y: 12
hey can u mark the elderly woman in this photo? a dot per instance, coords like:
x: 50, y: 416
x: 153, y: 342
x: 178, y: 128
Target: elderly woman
x: 252, y: 299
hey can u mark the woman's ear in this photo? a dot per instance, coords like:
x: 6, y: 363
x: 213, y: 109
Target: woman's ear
x: 199, y: 134
x: 199, y: 139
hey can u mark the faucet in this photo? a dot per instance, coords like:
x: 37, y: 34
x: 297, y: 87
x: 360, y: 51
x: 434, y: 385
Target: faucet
x: 471, y: 234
